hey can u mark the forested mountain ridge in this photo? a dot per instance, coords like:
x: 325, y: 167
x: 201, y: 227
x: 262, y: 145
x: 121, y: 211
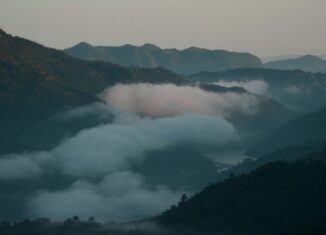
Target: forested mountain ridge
x: 278, y: 198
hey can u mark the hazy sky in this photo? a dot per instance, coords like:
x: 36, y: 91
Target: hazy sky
x: 263, y: 27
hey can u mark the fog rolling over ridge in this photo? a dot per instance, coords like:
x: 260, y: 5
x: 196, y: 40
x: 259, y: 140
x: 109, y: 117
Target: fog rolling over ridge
x: 299, y: 91
x: 92, y: 173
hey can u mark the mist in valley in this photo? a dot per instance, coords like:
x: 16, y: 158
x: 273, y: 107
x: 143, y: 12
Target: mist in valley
x: 137, y: 118
x: 92, y: 173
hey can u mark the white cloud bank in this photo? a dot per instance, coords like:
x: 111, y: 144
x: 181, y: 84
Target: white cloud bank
x: 170, y: 100
x: 98, y: 160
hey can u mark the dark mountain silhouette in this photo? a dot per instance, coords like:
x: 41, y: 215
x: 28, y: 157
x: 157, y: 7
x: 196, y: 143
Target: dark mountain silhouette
x: 298, y: 90
x: 278, y: 198
x: 309, y: 63
x: 190, y: 60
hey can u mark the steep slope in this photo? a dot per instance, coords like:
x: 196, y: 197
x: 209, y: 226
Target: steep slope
x: 278, y: 198
x: 186, y: 61
x: 179, y: 168
x: 309, y: 63
x: 298, y: 90
x: 29, y: 68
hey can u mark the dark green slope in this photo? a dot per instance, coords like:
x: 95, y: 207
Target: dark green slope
x: 186, y: 61
x: 303, y: 131
x: 278, y: 198
x: 179, y: 168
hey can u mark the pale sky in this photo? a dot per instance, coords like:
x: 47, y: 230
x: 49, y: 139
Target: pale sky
x: 262, y: 27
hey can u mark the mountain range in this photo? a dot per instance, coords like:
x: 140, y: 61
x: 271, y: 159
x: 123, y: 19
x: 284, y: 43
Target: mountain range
x: 36, y: 82
x: 187, y: 61
x: 191, y: 60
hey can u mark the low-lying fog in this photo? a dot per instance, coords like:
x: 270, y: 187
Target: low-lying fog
x: 92, y: 173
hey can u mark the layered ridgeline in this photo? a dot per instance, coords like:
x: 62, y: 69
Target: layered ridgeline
x: 309, y: 63
x: 33, y: 75
x: 188, y: 61
x: 36, y: 81
x: 298, y: 90
x: 296, y: 140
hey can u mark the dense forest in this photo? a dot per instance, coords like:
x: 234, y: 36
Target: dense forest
x: 278, y: 198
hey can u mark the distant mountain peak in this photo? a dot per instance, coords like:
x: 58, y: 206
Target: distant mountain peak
x: 83, y: 45
x: 196, y: 49
x: 151, y: 46
x: 309, y: 57
x: 309, y: 63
